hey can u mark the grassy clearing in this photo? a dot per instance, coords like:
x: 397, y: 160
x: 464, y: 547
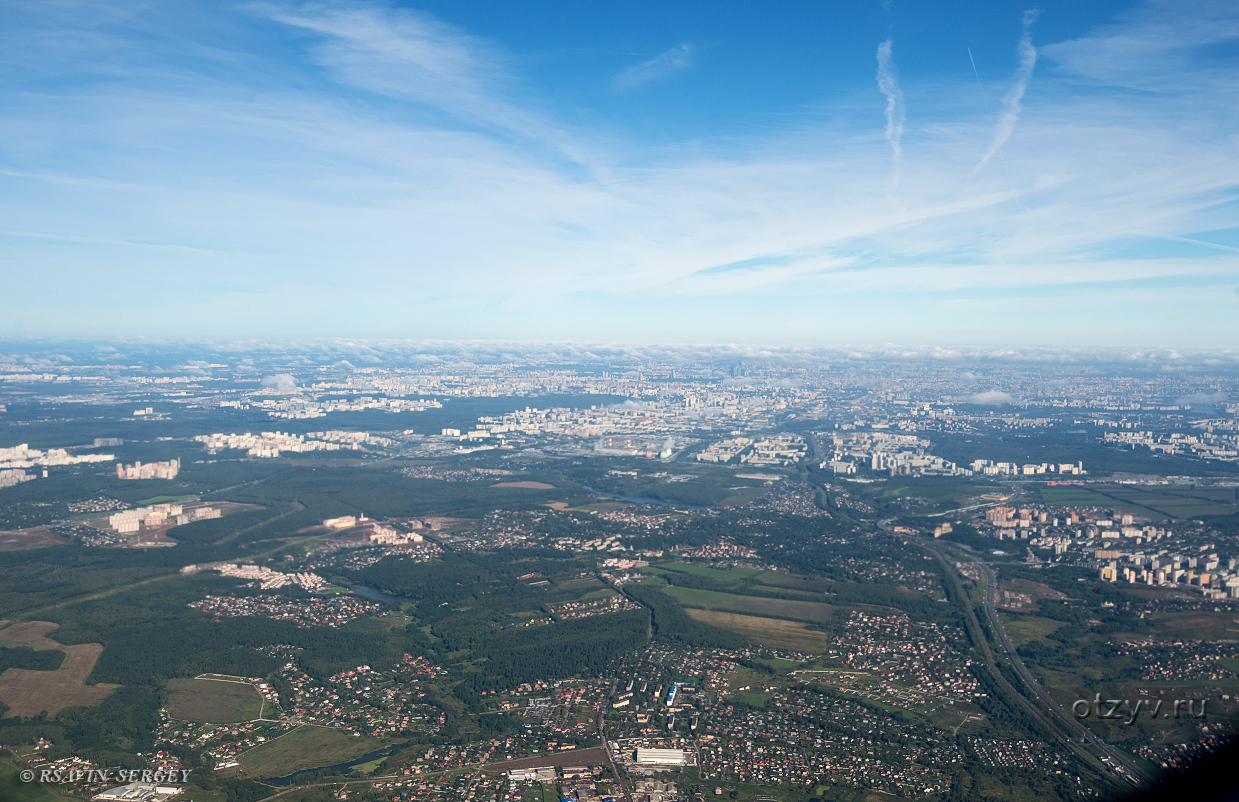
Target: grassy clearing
x: 726, y: 575
x: 12, y: 789
x: 1025, y: 628
x: 163, y: 500
x: 306, y: 747
x: 1196, y: 625
x: 773, y: 632
x: 583, y: 584
x: 811, y: 595
x: 1186, y: 502
x: 1071, y: 496
x: 743, y: 494
x: 812, y: 612
x: 793, y: 582
x: 213, y: 701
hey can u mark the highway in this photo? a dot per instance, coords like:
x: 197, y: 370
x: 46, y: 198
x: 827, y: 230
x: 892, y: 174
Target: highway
x: 1120, y: 763
x: 1116, y: 761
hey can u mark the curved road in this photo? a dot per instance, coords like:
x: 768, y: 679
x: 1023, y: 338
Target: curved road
x: 1121, y: 764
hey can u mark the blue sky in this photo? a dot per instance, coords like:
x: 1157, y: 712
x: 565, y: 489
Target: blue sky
x: 783, y: 173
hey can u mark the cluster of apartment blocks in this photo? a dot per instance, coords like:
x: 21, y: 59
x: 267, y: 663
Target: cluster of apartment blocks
x: 724, y: 450
x: 782, y: 449
x: 151, y: 470
x: 14, y: 476
x: 1012, y: 524
x: 271, y: 444
x: 1206, y: 445
x: 989, y: 468
x: 270, y: 580
x: 128, y: 521
x: 379, y: 534
x: 779, y: 450
x: 898, y: 454
x: 1165, y: 568
x: 303, y: 409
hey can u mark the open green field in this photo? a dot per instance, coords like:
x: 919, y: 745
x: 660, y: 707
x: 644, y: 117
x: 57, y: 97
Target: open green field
x: 1072, y: 496
x: 1179, y: 502
x: 163, y: 499
x: 813, y: 612
x: 755, y: 699
x: 1200, y: 625
x: 306, y: 747
x: 585, y: 585
x: 1151, y: 501
x: 724, y: 575
x: 793, y: 582
x: 741, y: 495
x: 1024, y: 628
x: 12, y: 789
x: 773, y: 632
x: 213, y: 701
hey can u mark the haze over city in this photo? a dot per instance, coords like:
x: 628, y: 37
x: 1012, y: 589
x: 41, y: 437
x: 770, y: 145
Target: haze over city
x: 795, y: 174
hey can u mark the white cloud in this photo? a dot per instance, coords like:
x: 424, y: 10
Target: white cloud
x: 888, y: 85
x: 1013, y: 103
x: 662, y: 66
x: 281, y: 383
x: 991, y: 398
x: 443, y: 183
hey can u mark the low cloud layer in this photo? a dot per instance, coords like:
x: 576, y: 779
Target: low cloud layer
x: 1203, y: 399
x: 281, y: 383
x: 991, y: 398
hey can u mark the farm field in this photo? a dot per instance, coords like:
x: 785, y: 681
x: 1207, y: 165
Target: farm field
x: 28, y: 693
x: 1186, y: 502
x: 1071, y: 496
x: 773, y: 632
x: 306, y: 747
x: 1151, y: 501
x: 813, y: 612
x: 37, y: 537
x: 213, y: 701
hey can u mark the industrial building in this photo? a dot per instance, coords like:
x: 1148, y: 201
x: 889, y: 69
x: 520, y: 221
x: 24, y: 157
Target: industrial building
x: 661, y: 757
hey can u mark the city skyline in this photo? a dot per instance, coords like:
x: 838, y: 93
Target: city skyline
x: 1011, y: 175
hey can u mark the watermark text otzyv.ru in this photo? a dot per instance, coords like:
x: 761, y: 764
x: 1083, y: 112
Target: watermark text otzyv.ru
x: 1127, y: 712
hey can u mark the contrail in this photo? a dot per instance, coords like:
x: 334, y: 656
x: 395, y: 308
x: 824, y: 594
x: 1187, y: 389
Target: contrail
x: 1013, y: 102
x: 888, y: 85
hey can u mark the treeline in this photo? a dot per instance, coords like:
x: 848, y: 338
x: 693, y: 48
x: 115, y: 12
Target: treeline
x: 25, y: 657
x: 42, y: 577
x: 487, y: 581
x: 330, y: 490
x: 107, y: 733
x: 149, y: 634
x: 578, y: 647
x: 671, y: 623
